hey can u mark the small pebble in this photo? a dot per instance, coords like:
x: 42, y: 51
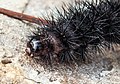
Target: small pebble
x: 6, y: 61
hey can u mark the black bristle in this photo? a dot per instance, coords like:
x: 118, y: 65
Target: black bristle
x: 82, y: 28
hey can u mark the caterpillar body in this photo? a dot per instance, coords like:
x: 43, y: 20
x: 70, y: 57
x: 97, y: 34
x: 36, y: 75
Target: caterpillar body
x: 82, y: 29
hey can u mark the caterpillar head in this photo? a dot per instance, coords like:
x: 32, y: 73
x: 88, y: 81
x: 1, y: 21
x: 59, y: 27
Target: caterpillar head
x: 44, y: 45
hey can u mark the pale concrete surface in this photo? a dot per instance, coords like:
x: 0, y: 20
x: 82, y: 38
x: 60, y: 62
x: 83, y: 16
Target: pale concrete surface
x: 13, y: 37
x: 44, y: 7
x: 16, y: 5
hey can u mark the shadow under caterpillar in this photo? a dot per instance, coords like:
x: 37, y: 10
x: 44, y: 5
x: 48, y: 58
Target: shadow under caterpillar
x: 77, y: 32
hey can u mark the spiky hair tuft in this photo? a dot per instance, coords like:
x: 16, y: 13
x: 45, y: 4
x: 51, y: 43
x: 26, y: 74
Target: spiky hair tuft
x: 81, y: 28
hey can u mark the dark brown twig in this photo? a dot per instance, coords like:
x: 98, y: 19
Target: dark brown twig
x: 21, y: 16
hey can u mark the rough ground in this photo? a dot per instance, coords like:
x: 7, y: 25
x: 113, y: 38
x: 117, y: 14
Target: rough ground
x: 16, y: 68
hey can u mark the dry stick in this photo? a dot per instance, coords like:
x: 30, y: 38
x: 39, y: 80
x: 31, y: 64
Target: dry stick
x: 21, y: 16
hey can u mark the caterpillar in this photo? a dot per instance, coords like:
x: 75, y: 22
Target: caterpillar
x: 79, y: 31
